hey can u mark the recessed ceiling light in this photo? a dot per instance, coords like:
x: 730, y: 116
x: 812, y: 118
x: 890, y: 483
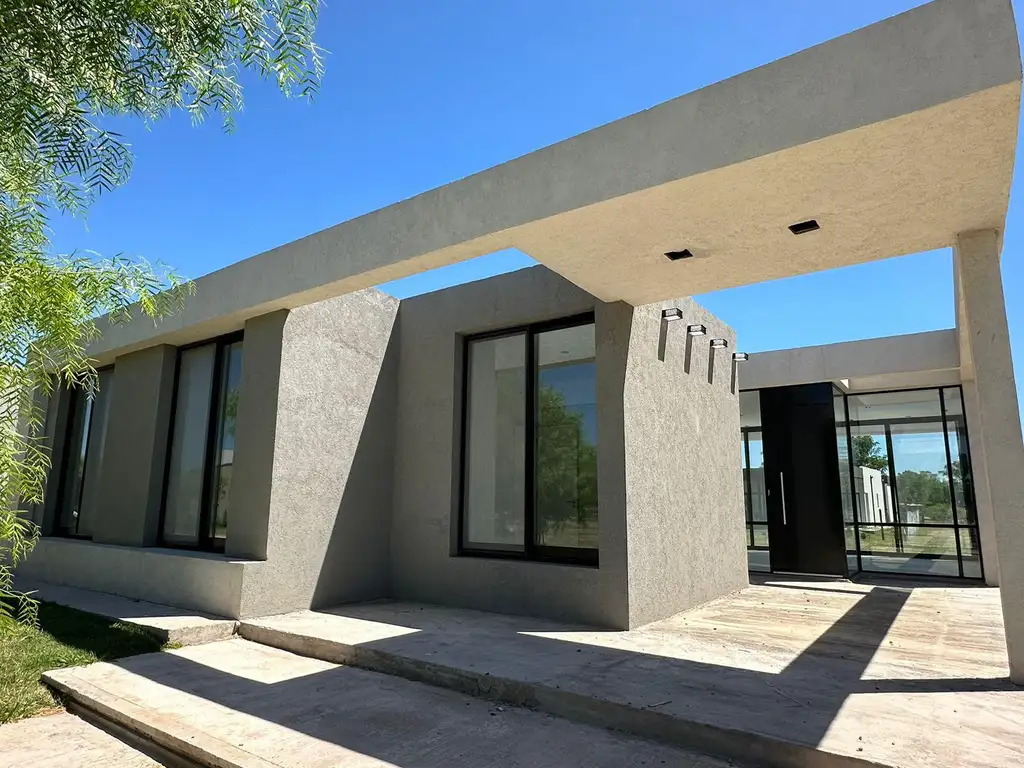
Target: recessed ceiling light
x: 686, y: 253
x: 803, y: 227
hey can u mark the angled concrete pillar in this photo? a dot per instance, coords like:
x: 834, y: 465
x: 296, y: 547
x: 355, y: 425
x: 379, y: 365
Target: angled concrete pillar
x: 997, y: 420
x: 135, y: 458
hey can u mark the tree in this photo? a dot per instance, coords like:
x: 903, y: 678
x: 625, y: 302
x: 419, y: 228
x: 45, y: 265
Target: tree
x: 868, y: 453
x: 64, y: 66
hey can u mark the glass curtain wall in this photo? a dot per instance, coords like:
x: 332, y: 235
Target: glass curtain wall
x: 910, y: 483
x: 83, y: 457
x: 753, y: 482
x: 905, y: 470
x: 530, y: 444
x: 197, y: 493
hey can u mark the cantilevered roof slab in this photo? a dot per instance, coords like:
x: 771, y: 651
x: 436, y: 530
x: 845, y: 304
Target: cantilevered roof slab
x: 894, y: 138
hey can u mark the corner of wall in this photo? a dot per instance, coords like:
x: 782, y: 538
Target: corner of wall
x: 684, y: 514
x: 330, y: 483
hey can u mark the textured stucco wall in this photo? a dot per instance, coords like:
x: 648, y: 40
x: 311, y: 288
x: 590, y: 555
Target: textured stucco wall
x: 135, y: 454
x: 194, y: 580
x: 996, y: 423
x: 685, y: 520
x: 427, y: 461
x: 327, y: 494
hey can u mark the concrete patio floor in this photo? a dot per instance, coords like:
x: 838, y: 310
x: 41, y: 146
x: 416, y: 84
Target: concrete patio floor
x: 785, y: 673
x: 238, y: 704
x: 65, y: 741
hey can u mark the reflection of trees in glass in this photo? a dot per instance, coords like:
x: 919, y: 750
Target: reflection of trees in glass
x: 930, y: 490
x: 566, y: 466
x: 867, y: 452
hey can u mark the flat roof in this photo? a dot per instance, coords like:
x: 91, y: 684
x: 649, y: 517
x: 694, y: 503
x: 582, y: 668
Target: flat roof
x: 894, y: 138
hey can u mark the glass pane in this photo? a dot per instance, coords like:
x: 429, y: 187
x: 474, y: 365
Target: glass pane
x: 758, y: 500
x: 760, y: 536
x: 566, y: 467
x: 96, y: 444
x: 224, y: 447
x: 842, y: 445
x: 970, y: 550
x: 750, y: 409
x: 922, y: 485
x: 79, y: 413
x: 959, y: 452
x: 188, y: 445
x: 494, y: 464
x: 851, y: 549
x: 909, y: 549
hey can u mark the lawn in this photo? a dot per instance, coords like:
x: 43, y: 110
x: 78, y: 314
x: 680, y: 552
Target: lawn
x: 64, y: 638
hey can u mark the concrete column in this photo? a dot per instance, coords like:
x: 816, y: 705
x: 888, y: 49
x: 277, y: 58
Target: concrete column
x: 997, y: 419
x: 255, y: 437
x: 135, y: 457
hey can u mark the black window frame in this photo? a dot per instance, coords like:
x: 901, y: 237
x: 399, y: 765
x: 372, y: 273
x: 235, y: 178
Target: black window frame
x: 77, y: 398
x: 531, y: 552
x: 205, y: 542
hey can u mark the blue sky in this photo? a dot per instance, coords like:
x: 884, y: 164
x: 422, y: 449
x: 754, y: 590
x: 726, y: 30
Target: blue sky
x: 417, y: 95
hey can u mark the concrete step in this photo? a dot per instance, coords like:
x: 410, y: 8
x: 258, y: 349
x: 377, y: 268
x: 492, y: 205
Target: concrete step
x: 787, y: 688
x: 237, y: 704
x: 178, y: 626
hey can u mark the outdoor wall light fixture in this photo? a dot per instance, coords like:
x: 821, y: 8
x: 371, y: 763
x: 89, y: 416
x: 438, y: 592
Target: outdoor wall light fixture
x: 696, y: 330
x: 739, y: 357
x: 674, y: 313
x: 719, y: 343
x: 686, y: 253
x: 803, y: 227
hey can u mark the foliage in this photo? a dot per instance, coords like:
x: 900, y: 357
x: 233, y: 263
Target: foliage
x: 64, y: 638
x: 868, y: 453
x: 66, y: 64
x: 566, y: 468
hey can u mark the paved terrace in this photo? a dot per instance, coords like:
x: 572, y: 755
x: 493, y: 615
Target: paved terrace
x: 784, y: 673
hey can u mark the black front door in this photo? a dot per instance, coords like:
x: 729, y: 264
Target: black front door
x: 801, y: 469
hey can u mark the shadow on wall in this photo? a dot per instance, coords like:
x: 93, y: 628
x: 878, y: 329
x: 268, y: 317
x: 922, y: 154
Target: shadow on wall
x: 356, y: 562
x: 648, y: 695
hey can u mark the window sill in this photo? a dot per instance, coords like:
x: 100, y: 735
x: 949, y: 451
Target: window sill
x: 585, y: 559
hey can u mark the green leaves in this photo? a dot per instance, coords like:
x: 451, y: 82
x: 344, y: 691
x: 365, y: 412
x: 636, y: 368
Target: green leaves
x: 64, y: 65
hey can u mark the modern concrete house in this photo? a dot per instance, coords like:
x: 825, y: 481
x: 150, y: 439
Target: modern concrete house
x: 566, y: 440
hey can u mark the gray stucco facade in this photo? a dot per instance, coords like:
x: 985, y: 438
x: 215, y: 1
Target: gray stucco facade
x: 897, y: 138
x: 347, y: 465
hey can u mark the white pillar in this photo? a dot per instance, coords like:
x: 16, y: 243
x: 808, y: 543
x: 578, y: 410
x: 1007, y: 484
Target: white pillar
x: 997, y: 419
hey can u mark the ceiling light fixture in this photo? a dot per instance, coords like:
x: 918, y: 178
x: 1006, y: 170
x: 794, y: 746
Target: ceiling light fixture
x: 803, y: 227
x: 686, y: 253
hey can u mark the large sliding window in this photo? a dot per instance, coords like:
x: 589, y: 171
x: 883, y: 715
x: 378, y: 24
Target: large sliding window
x: 84, y: 443
x: 529, y: 477
x: 202, y: 446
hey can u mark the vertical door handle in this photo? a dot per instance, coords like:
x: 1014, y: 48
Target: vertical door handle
x: 782, y: 493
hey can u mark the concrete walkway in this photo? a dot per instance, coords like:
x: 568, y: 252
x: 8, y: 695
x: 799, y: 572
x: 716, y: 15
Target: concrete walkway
x: 788, y: 674
x: 64, y: 741
x: 170, y: 624
x: 237, y: 703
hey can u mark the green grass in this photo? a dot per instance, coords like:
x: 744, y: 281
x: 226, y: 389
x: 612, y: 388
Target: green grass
x: 64, y: 638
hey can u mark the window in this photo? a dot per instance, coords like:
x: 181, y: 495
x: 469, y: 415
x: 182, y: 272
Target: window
x: 197, y: 491
x: 754, y: 496
x: 529, y: 479
x: 83, y: 456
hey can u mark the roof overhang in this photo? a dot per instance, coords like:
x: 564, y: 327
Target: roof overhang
x: 894, y: 138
